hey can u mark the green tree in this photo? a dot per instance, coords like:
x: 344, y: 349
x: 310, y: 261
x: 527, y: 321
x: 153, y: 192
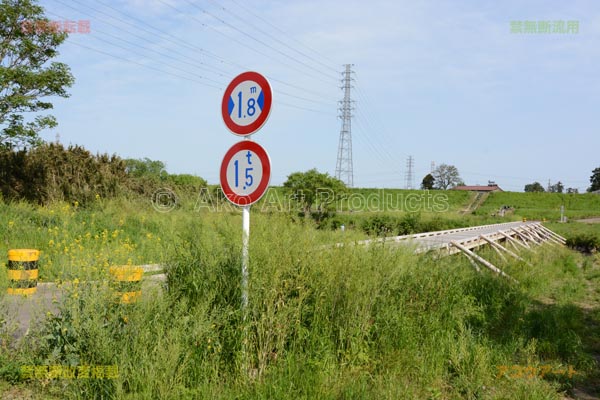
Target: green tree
x: 558, y: 187
x: 187, y: 181
x: 428, y: 182
x: 27, y: 79
x: 446, y: 176
x: 313, y: 188
x: 595, y: 180
x: 145, y: 168
x: 534, y: 187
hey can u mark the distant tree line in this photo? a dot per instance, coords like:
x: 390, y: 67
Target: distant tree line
x: 51, y: 172
x: 559, y: 187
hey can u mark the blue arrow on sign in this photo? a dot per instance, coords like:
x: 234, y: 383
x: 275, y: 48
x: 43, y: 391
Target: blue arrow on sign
x: 231, y: 105
x: 261, y: 100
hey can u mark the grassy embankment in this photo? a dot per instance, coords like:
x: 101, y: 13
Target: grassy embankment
x: 543, y: 205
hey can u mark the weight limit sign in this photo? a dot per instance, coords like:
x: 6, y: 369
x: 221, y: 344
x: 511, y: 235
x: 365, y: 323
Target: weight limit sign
x: 245, y: 173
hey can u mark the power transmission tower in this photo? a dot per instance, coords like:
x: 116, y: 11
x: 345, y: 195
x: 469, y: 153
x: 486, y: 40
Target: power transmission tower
x: 432, y: 166
x: 410, y: 163
x: 344, y: 169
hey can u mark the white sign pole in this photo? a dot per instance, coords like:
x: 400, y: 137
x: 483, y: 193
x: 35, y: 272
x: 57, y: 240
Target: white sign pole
x: 245, y: 241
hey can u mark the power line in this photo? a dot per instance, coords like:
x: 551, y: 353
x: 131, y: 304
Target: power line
x: 370, y: 111
x: 144, y: 55
x: 143, y: 65
x: 177, y: 41
x: 305, y: 108
x: 272, y: 37
x: 245, y: 45
x: 259, y: 41
x: 250, y: 11
x: 219, y: 73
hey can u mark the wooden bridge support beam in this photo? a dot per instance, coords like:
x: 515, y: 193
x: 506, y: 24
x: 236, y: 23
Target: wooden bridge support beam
x: 500, y: 247
x: 481, y: 260
x: 523, y: 238
x: 513, y: 241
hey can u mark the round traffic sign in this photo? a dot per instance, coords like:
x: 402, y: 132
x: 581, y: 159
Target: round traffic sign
x: 245, y: 173
x: 246, y: 103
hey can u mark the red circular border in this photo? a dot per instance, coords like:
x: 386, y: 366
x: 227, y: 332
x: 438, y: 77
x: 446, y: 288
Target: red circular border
x: 266, y: 176
x: 241, y: 130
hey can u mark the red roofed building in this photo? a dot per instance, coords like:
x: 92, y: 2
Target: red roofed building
x: 481, y: 189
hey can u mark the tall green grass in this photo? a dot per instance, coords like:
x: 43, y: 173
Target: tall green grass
x: 323, y: 321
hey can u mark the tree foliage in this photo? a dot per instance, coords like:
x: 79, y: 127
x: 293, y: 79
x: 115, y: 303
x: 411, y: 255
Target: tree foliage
x: 26, y: 76
x: 51, y: 172
x: 595, y: 180
x: 145, y: 167
x: 558, y: 187
x: 428, y: 182
x: 534, y: 187
x: 446, y: 177
x: 313, y: 188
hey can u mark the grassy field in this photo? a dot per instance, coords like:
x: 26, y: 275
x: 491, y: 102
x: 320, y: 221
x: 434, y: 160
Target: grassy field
x: 323, y: 322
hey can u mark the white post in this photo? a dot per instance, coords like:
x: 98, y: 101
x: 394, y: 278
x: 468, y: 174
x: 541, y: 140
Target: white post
x: 245, y: 241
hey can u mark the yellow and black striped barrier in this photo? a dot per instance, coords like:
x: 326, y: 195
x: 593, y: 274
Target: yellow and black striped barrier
x: 127, y: 283
x: 23, y: 271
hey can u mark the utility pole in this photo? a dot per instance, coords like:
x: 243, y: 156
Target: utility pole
x: 410, y: 163
x: 344, y: 168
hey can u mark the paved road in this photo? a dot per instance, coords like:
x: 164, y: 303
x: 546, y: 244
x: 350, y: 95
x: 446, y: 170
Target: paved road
x: 21, y: 313
x: 589, y: 220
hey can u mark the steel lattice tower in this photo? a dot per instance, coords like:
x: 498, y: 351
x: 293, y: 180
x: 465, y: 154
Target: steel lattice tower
x: 344, y: 169
x: 409, y: 177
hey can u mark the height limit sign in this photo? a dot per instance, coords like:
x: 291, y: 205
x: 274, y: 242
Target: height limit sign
x: 246, y: 103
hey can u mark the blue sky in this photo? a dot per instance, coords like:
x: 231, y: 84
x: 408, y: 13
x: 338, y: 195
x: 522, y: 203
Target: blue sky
x: 443, y: 81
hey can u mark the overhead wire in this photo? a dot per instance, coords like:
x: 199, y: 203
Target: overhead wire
x: 267, y: 22
x: 245, y: 45
x: 177, y: 41
x: 181, y: 61
x: 276, y: 39
x: 145, y: 55
x: 235, y: 28
x: 143, y: 65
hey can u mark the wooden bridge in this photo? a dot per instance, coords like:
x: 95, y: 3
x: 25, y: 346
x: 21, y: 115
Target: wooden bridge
x: 507, y: 239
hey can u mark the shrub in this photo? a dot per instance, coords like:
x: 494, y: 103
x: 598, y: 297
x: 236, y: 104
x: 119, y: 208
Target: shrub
x: 586, y: 243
